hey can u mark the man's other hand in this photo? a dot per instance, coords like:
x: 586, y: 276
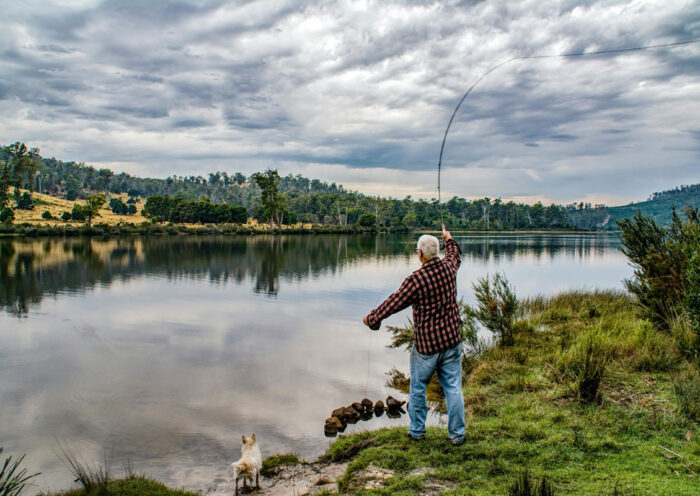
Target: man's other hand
x: 445, y: 233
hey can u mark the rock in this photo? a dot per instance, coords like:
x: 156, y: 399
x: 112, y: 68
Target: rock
x: 351, y: 415
x: 393, y: 413
x: 330, y: 429
x: 323, y: 480
x: 393, y: 403
x: 373, y: 477
x: 336, y: 421
x: 367, y: 405
x: 357, y: 407
x: 339, y: 413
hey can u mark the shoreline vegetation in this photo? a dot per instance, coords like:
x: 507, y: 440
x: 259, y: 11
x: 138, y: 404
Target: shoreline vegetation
x: 581, y: 393
x: 148, y: 228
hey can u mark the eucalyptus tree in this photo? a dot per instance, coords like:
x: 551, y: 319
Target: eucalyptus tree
x: 23, y: 164
x: 273, y: 202
x: 93, y: 205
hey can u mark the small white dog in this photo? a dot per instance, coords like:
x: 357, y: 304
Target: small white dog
x: 249, y: 465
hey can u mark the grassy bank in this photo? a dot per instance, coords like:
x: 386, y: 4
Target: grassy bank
x: 638, y: 437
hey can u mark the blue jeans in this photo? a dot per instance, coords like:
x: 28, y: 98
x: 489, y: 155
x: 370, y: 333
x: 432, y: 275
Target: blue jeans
x: 448, y: 365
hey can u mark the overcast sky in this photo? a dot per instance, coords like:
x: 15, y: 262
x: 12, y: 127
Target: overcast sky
x: 361, y: 92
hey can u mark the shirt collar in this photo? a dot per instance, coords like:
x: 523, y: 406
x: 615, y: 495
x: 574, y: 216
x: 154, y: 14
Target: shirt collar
x: 432, y: 261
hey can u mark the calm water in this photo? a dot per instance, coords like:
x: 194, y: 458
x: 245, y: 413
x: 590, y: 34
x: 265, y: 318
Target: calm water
x: 163, y: 351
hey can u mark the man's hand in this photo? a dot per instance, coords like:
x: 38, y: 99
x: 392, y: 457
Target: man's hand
x: 365, y: 321
x: 445, y: 233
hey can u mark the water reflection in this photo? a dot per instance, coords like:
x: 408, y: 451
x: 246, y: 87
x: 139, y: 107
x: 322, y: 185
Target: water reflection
x: 30, y: 269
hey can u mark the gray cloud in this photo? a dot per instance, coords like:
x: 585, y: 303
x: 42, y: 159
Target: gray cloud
x: 364, y: 89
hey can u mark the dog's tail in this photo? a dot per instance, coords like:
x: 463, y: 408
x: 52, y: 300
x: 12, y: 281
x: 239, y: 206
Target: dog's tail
x: 243, y: 467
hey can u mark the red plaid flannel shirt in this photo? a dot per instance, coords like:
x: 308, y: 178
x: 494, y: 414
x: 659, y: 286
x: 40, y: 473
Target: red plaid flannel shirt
x: 432, y: 290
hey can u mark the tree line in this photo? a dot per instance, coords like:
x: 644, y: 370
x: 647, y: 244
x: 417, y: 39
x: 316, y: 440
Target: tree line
x: 270, y: 198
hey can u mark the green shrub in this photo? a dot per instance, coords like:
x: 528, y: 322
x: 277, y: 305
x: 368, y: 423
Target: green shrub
x: 497, y: 306
x: 367, y: 220
x: 686, y: 391
x: 25, y: 202
x: 7, y: 215
x: 692, y: 301
x: 78, y: 213
x: 665, y: 279
x: 46, y: 215
x: 583, y: 365
x: 66, y: 216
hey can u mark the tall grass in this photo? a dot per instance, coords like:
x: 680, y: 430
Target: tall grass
x: 524, y: 485
x: 686, y: 391
x: 583, y: 365
x: 94, y: 479
x: 12, y: 479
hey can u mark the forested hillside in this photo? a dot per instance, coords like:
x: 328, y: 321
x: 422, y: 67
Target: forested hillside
x: 300, y: 199
x: 660, y: 205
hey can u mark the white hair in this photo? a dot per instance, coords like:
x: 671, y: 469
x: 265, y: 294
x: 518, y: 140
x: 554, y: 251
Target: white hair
x: 429, y: 245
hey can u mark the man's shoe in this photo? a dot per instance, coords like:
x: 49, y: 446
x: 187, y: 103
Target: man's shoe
x: 413, y: 438
x: 458, y: 443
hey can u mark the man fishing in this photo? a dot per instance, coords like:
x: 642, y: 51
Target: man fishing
x: 437, y: 345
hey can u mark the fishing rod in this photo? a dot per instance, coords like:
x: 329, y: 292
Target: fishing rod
x: 529, y: 57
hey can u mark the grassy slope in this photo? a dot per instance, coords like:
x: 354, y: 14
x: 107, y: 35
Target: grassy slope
x: 521, y: 416
x: 58, y: 205
x: 659, y: 210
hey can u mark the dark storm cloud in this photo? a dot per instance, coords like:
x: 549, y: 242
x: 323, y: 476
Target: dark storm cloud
x: 363, y: 89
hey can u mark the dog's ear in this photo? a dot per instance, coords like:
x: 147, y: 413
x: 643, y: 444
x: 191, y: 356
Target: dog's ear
x: 253, y: 438
x: 245, y: 439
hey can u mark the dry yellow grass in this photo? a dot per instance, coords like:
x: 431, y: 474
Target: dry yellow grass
x: 56, y: 206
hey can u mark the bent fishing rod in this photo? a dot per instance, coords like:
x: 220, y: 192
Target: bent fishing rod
x: 531, y: 57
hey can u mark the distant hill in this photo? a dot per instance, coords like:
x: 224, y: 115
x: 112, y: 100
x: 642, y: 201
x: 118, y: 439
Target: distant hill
x: 659, y: 205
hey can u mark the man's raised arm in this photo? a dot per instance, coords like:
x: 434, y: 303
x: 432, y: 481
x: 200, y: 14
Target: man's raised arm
x: 452, y: 251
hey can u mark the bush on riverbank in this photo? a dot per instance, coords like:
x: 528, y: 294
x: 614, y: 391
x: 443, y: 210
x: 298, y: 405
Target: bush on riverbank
x: 666, y: 263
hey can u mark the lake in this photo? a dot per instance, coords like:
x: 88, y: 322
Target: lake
x: 162, y: 351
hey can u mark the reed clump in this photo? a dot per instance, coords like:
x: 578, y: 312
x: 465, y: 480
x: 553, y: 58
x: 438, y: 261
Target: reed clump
x: 13, y: 479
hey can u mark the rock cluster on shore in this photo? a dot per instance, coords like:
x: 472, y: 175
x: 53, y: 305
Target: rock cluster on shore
x: 362, y: 410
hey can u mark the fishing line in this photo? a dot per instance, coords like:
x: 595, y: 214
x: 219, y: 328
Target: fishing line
x: 529, y: 57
